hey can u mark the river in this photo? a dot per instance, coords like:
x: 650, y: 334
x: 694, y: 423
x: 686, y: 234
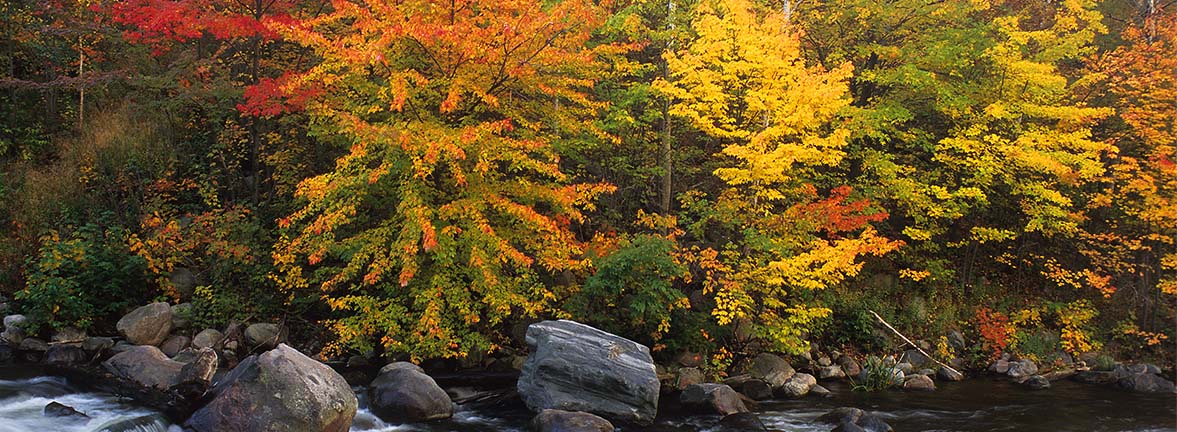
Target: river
x: 974, y: 405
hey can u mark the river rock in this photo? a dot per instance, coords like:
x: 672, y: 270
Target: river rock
x: 575, y: 367
x: 280, y: 390
x: 14, y: 331
x: 1021, y: 369
x: 1037, y: 382
x: 740, y: 422
x: 687, y: 376
x: 66, y: 355
x: 406, y: 394
x: 1000, y: 366
x: 197, y: 372
x: 819, y: 391
x: 263, y: 336
x: 754, y: 389
x: 14, y: 321
x: 97, y: 343
x: 57, y: 409
x: 715, y: 398
x: 947, y: 374
x: 919, y: 383
x: 797, y: 386
x: 7, y: 354
x: 830, y: 372
x: 34, y: 345
x: 181, y: 316
x: 852, y: 419
x: 208, y: 338
x: 915, y: 358
x: 906, y: 367
x: 68, y: 335
x: 174, y: 345
x: 770, y: 368
x: 551, y: 420
x: 849, y: 365
x: 1146, y: 382
x: 147, y: 325
x: 146, y: 365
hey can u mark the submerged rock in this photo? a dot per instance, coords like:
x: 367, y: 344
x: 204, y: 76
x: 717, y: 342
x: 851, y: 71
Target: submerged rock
x: 741, y: 422
x: 716, y: 398
x: 57, y: 409
x: 1037, y: 382
x: 281, y: 390
x: 406, y: 394
x: 551, y: 420
x: 854, y: 419
x: 575, y: 367
x: 147, y: 325
x: 153, y: 422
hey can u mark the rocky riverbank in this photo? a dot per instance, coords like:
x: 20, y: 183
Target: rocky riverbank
x: 575, y: 378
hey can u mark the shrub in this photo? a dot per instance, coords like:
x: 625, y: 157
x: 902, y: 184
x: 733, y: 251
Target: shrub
x: 632, y: 292
x: 83, y: 278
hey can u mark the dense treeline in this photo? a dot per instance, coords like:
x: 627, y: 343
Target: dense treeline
x: 416, y: 178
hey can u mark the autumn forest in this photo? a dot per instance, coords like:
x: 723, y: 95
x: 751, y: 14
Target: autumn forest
x: 416, y: 179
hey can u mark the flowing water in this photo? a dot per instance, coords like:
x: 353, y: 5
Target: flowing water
x: 975, y: 405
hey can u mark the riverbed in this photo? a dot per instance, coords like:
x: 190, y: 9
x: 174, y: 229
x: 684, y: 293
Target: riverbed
x: 973, y: 405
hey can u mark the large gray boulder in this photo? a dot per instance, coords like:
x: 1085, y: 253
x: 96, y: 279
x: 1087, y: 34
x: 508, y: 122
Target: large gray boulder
x: 574, y: 367
x: 147, y: 325
x: 149, y: 367
x: 281, y: 390
x: 405, y: 394
x: 712, y: 397
x: 568, y: 421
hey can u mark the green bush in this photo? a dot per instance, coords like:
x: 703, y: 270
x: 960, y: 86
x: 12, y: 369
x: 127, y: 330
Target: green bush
x: 83, y: 279
x: 632, y: 293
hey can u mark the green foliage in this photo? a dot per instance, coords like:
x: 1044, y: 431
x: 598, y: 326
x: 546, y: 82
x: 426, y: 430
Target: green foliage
x: 1039, y: 345
x: 83, y: 278
x: 877, y: 375
x: 1103, y: 362
x: 633, y: 290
